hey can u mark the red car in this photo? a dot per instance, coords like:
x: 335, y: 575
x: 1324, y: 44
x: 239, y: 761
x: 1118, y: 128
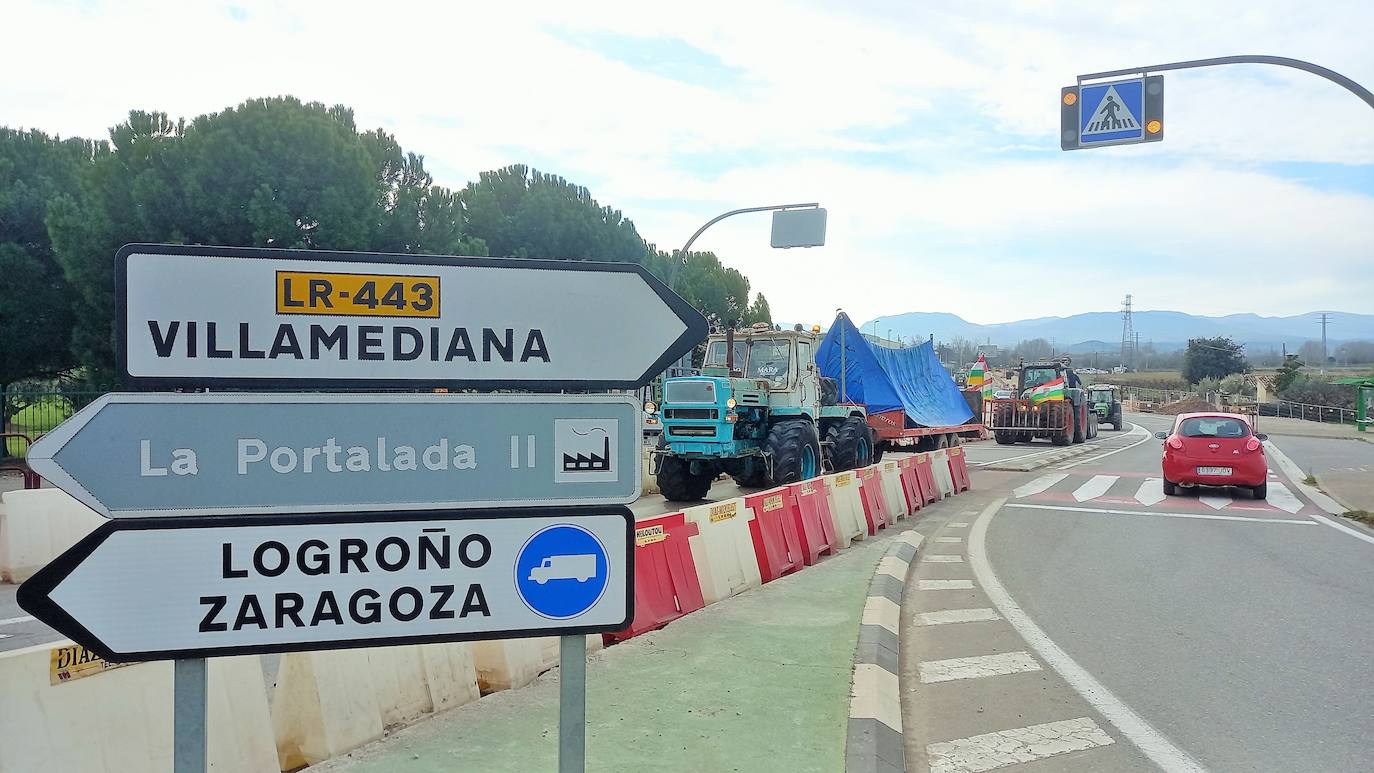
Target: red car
x: 1214, y: 449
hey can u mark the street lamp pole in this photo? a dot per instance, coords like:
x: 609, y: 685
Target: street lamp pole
x: 1281, y: 61
x: 672, y: 273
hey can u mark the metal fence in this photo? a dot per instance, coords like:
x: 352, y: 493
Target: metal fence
x: 35, y: 410
x: 1329, y: 414
x: 1157, y: 396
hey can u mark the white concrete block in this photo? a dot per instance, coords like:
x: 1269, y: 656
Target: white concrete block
x: 35, y: 526
x: 450, y: 674
x: 324, y: 705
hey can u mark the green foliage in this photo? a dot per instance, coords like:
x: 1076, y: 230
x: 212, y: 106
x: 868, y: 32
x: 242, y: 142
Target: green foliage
x: 719, y: 292
x: 1289, y: 374
x: 522, y: 213
x: 268, y: 173
x: 1316, y: 391
x: 1213, y: 358
x: 35, y: 306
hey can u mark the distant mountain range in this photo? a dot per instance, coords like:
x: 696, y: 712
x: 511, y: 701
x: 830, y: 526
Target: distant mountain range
x: 1101, y: 330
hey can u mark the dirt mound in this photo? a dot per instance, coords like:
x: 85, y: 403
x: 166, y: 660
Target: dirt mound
x: 1191, y: 405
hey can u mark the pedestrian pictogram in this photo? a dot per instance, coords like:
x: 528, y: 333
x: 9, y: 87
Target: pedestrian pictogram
x: 1111, y: 115
x: 561, y: 572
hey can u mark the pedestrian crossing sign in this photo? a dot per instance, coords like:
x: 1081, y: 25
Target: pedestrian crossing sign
x: 1113, y: 113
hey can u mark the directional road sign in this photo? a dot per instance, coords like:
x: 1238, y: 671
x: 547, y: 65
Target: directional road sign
x: 1114, y: 113
x: 150, y: 589
x: 260, y: 318
x: 149, y: 454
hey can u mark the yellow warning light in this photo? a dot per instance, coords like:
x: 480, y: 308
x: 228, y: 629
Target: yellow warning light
x: 1070, y: 97
x: 1153, y: 126
x: 815, y: 328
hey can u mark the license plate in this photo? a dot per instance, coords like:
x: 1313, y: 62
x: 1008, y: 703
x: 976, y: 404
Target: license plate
x: 1214, y: 471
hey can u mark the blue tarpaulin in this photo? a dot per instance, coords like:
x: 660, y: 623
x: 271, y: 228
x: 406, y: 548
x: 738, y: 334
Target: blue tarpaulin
x: 910, y: 378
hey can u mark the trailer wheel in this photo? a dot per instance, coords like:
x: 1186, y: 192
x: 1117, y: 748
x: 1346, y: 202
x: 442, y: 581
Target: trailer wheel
x: 851, y: 445
x: 1078, y: 433
x: 678, y: 483
x: 796, y: 451
x: 1004, y: 437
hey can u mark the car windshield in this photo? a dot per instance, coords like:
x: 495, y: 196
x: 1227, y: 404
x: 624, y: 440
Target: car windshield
x: 768, y: 358
x: 1037, y: 376
x: 1214, y: 426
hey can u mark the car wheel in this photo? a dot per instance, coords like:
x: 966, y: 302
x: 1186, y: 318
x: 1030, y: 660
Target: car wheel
x: 1261, y: 491
x: 1169, y: 488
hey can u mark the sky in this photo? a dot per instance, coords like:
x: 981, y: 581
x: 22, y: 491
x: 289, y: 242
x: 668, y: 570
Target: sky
x: 929, y: 131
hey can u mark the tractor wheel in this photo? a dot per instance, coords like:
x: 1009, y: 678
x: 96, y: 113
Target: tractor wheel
x: 796, y: 452
x: 877, y: 447
x: 1116, y: 423
x: 1004, y: 437
x: 1078, y: 434
x: 851, y: 445
x: 1060, y: 439
x: 678, y: 483
x: 754, y: 473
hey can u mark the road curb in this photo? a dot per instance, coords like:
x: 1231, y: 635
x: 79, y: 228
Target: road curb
x: 874, y: 736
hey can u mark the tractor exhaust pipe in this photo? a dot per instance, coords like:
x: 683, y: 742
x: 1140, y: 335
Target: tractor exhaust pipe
x: 730, y: 350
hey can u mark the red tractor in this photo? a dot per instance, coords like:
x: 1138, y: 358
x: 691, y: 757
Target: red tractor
x: 1049, y: 403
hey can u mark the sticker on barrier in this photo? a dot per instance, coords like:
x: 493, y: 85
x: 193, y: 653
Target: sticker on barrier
x: 777, y: 546
x: 846, y: 507
x: 874, y: 502
x: 724, y: 552
x: 891, y: 476
x: 815, y: 525
x: 958, y: 469
x: 666, y: 584
x: 911, y: 485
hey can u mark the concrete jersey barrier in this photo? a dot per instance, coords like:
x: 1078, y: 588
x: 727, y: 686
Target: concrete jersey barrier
x: 37, y: 525
x: 120, y: 720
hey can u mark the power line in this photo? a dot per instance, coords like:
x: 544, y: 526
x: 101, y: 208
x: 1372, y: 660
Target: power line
x: 1128, y: 336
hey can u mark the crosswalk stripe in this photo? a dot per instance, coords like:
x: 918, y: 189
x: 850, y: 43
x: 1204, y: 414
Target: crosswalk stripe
x: 977, y: 667
x: 990, y: 751
x: 1151, y: 492
x: 1096, y: 486
x: 1039, y: 484
x: 1282, y: 498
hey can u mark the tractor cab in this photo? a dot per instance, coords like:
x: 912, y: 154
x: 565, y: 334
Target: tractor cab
x: 1036, y: 374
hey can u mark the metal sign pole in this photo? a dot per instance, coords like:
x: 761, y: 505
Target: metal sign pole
x: 572, y: 704
x: 190, y: 680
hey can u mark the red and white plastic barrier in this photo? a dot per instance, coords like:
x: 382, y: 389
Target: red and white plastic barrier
x: 958, y: 469
x: 873, y: 498
x: 773, y: 528
x: 897, y: 505
x: 815, y: 525
x: 846, y: 508
x: 724, y: 550
x: 666, y: 584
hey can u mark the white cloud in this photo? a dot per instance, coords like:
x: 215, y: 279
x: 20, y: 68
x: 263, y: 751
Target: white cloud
x: 928, y: 130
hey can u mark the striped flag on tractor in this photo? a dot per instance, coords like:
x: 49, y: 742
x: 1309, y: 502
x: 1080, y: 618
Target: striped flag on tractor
x: 1050, y: 390
x: 977, y: 375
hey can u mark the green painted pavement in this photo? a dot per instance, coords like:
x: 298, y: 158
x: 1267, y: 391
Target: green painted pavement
x: 757, y: 682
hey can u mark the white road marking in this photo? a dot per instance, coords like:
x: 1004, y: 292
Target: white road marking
x: 1154, y: 745
x: 958, y: 525
x: 1281, y: 497
x: 13, y: 620
x: 944, y: 584
x: 1151, y: 492
x: 990, y: 751
x: 4, y: 636
x: 1215, y: 502
x: 1342, y: 527
x: 1134, y: 428
x: 945, y: 616
x: 949, y: 540
x: 1096, y: 486
x: 1297, y: 476
x: 1015, y: 458
x: 1159, y: 514
x: 976, y: 667
x: 1038, y: 485
x: 929, y: 559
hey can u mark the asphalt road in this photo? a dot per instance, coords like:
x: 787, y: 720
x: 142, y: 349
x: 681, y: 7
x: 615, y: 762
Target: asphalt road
x: 1241, y: 636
